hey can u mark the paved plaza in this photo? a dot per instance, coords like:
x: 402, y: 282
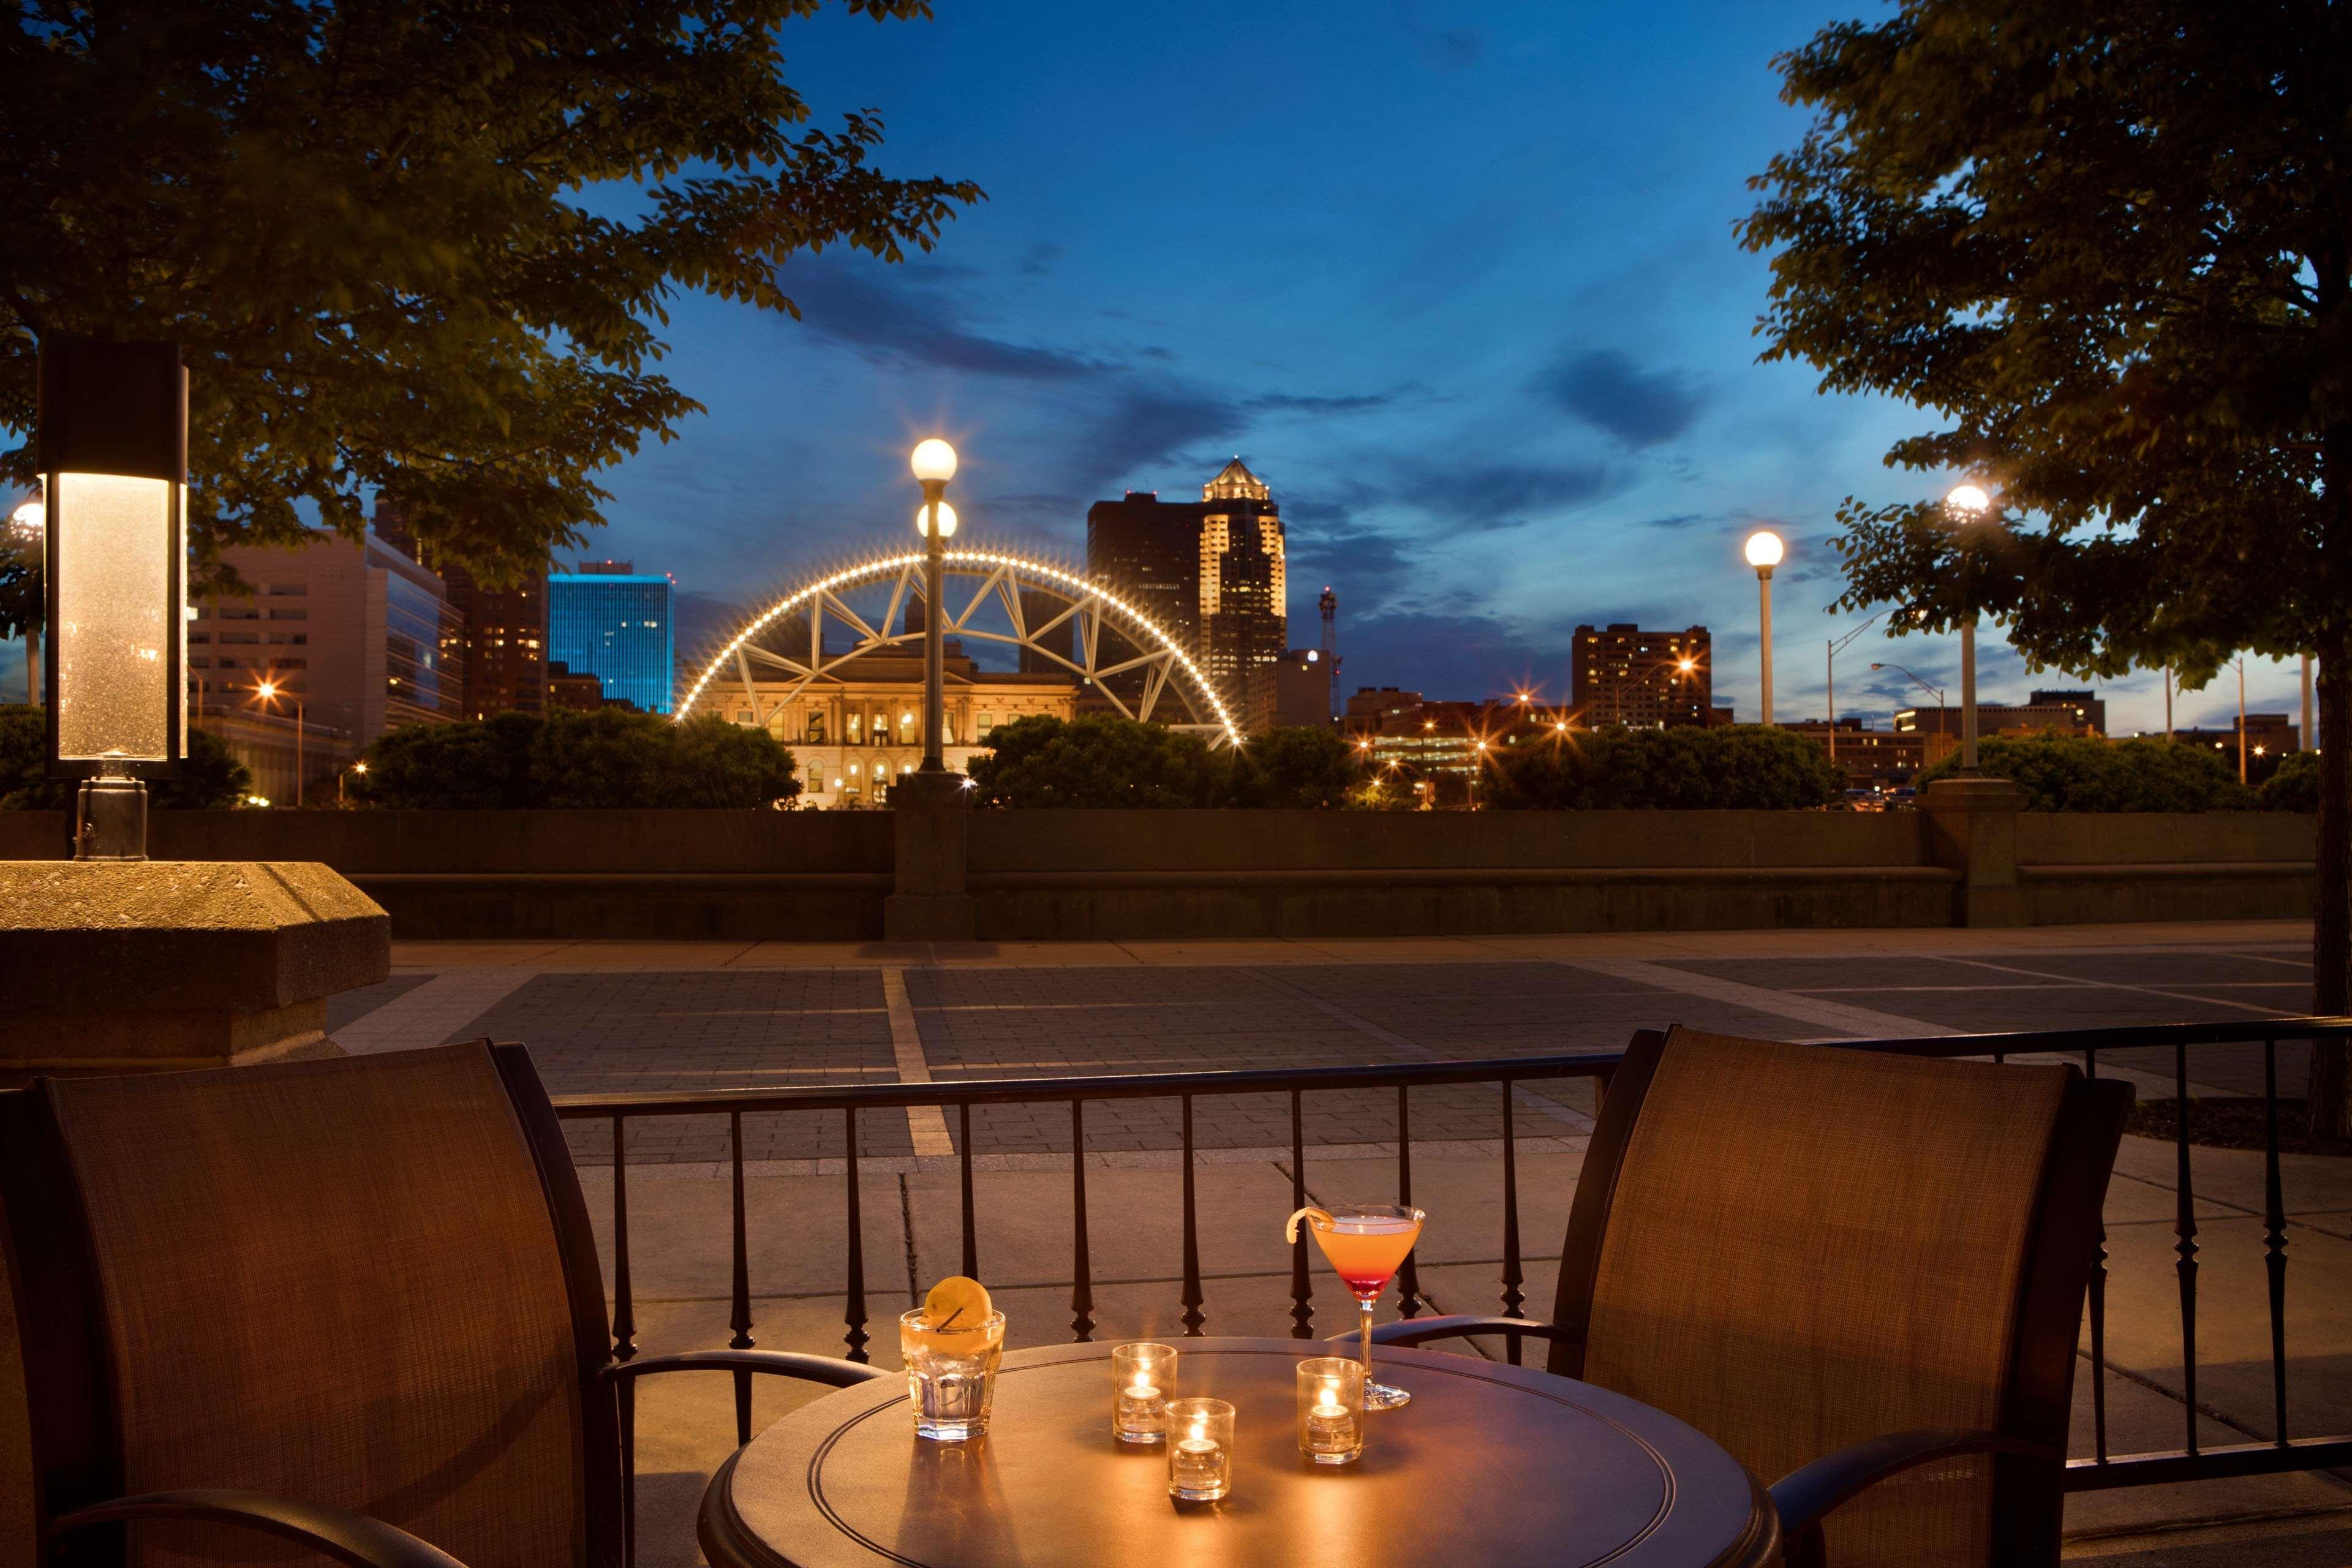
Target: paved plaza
x: 635, y: 1017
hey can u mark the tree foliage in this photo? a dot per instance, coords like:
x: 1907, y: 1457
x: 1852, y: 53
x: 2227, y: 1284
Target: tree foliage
x: 2084, y: 772
x: 419, y: 249
x: 1299, y: 767
x: 208, y: 778
x: 2108, y: 245
x: 611, y: 758
x: 1095, y: 761
x: 1740, y: 768
x: 2295, y: 786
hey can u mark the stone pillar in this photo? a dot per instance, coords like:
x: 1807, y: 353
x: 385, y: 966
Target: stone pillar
x: 930, y: 904
x: 1972, y: 829
x: 147, y: 966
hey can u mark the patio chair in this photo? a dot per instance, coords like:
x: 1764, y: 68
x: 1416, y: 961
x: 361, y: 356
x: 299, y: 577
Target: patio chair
x: 1860, y: 1272
x: 353, y: 1304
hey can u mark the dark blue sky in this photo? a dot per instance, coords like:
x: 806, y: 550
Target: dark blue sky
x: 1457, y: 280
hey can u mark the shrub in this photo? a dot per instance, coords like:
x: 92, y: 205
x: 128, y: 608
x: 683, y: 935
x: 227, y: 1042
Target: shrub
x: 2296, y: 785
x: 1749, y: 767
x: 611, y: 758
x: 2084, y: 772
x: 1299, y: 767
x: 208, y: 779
x: 1096, y: 761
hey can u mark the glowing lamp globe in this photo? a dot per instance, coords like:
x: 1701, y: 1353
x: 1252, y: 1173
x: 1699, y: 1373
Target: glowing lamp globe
x: 1970, y: 499
x: 1764, y: 549
x: 934, y: 461
x: 947, y: 518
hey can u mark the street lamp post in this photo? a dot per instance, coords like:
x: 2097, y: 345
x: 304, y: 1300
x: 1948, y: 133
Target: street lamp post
x: 359, y: 767
x: 1764, y: 550
x: 266, y: 691
x: 1834, y: 645
x: 934, y: 462
x: 1970, y: 501
x: 1942, y: 707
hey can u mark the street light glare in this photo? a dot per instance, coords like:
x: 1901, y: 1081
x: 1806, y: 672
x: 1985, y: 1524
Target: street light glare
x: 947, y: 519
x: 1971, y: 499
x: 266, y: 689
x: 933, y: 461
x: 1764, y: 548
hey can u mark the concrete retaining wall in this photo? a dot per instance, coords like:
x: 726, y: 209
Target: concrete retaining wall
x: 823, y: 876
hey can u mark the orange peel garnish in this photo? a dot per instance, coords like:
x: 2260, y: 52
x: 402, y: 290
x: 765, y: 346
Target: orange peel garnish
x: 1290, y: 1226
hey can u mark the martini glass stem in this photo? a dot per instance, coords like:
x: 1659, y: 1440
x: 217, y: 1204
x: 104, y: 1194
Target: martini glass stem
x: 1366, y: 1320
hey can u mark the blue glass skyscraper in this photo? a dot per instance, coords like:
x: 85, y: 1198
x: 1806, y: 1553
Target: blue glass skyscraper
x: 614, y: 624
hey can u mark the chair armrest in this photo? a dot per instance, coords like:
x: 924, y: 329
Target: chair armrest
x: 1417, y: 1331
x: 348, y: 1538
x: 1804, y: 1496
x: 781, y: 1363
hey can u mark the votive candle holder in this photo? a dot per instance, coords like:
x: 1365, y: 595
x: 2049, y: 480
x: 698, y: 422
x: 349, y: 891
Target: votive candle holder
x: 1199, y: 1449
x: 1144, y: 1379
x: 1331, y: 1409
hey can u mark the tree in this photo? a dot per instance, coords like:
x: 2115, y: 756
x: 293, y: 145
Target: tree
x: 611, y: 758
x: 419, y: 250
x: 2296, y: 785
x: 1742, y: 767
x: 1095, y: 761
x: 2109, y: 245
x: 2084, y: 772
x: 208, y: 778
x: 1300, y: 767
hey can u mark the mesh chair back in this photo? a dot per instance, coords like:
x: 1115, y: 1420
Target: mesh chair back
x: 1808, y: 1247
x: 337, y: 1281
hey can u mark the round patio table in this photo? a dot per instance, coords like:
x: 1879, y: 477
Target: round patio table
x: 1490, y: 1465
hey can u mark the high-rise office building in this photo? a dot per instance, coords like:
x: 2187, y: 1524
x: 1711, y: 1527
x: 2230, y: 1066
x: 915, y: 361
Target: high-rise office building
x: 1245, y: 623
x: 505, y: 629
x: 611, y: 622
x: 1644, y: 680
x: 1212, y: 572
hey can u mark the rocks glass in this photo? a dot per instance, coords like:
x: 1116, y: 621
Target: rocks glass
x: 951, y: 1375
x: 1199, y: 1449
x: 1143, y: 1376
x: 1331, y: 1409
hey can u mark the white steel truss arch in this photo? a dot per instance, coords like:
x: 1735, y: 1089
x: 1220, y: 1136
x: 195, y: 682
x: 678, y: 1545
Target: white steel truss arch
x: 1004, y: 584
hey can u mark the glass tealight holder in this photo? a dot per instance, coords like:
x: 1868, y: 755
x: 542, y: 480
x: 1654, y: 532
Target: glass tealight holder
x: 951, y: 1375
x: 1143, y: 1377
x: 1199, y: 1449
x: 1331, y: 1409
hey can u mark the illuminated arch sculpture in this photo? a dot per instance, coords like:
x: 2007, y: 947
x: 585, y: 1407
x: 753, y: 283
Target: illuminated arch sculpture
x: 1000, y: 594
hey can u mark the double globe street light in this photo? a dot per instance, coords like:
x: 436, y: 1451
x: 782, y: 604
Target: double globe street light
x: 1971, y: 503
x: 1764, y: 553
x: 934, y: 462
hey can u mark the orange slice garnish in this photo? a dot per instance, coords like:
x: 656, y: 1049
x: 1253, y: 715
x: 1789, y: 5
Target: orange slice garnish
x: 1290, y: 1227
x: 956, y: 1302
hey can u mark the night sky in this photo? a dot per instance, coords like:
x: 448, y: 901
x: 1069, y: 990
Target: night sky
x: 1457, y: 280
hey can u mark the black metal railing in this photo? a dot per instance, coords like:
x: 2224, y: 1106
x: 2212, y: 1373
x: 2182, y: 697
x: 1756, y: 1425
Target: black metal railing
x: 2100, y: 1469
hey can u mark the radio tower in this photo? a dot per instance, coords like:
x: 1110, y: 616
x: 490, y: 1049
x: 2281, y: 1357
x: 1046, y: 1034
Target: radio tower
x: 1330, y: 603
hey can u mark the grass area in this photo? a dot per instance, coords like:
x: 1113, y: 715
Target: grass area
x: 2229, y: 1122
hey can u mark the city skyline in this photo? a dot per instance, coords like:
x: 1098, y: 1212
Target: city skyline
x: 1494, y: 355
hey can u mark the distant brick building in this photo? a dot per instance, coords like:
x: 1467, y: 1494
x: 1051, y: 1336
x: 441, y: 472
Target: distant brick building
x: 1642, y: 679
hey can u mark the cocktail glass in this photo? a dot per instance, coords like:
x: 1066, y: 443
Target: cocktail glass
x: 950, y: 1374
x: 1366, y: 1244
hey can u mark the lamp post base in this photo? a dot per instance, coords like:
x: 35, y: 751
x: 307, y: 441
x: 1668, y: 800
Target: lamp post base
x: 110, y: 820
x: 929, y: 903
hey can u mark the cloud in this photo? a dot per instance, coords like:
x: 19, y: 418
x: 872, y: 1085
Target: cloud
x: 1495, y: 496
x: 1681, y: 520
x: 1145, y: 426
x: 1155, y: 351
x: 1285, y: 402
x: 1448, y: 48
x: 1605, y: 389
x: 898, y: 320
x: 1039, y: 258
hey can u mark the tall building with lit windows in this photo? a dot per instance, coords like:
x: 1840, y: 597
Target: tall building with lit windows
x: 1642, y: 679
x: 1212, y: 572
x: 505, y: 628
x: 614, y: 623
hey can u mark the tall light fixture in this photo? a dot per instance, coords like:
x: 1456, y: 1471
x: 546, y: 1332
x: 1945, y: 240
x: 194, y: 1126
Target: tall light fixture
x: 23, y: 540
x: 1764, y: 550
x: 934, y: 462
x: 1970, y: 502
x: 111, y: 443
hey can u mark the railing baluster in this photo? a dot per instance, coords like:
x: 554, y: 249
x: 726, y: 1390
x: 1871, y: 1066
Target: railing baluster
x: 2184, y: 1225
x: 853, y: 1310
x: 624, y: 1320
x: 2274, y: 1238
x: 1193, y: 1316
x: 2098, y: 1316
x: 1409, y: 1277
x: 1302, y: 1284
x: 628, y: 1391
x: 1513, y: 1300
x: 741, y: 1319
x: 1082, y: 1285
x: 970, y: 1228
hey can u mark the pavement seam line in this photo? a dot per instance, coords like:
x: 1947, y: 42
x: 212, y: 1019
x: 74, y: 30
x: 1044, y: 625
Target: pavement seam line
x: 927, y: 1127
x: 2119, y: 985
x: 1543, y: 1104
x: 432, y: 1012
x: 1861, y: 1023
